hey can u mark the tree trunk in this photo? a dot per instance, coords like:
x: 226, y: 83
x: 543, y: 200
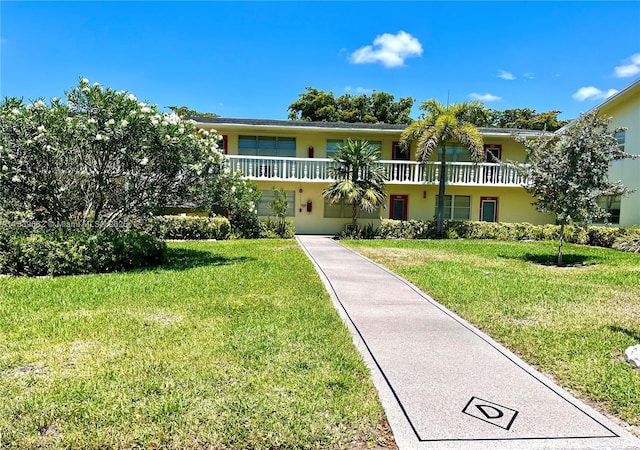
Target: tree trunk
x: 560, y: 244
x: 354, y: 217
x: 443, y: 178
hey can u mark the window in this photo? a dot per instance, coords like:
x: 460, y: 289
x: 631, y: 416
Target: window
x: 611, y: 204
x: 267, y: 197
x: 620, y: 137
x: 399, y: 152
x: 376, y: 145
x: 343, y: 210
x: 267, y: 146
x: 492, y: 153
x: 456, y: 207
x: 455, y: 153
x: 333, y: 144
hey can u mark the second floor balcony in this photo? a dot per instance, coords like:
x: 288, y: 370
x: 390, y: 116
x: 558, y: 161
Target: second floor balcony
x: 397, y: 172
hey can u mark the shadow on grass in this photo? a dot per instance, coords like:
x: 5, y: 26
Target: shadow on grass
x: 630, y: 333
x: 184, y: 259
x: 551, y: 259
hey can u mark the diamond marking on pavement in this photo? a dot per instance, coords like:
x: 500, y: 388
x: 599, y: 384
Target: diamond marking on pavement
x: 490, y: 412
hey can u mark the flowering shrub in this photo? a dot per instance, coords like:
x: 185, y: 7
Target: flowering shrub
x: 100, y: 156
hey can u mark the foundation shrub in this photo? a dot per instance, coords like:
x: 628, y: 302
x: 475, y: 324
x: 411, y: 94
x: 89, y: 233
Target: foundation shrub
x: 277, y: 229
x: 627, y: 244
x: 407, y: 229
x: 62, y: 251
x: 425, y: 229
x: 188, y: 227
x: 605, y: 236
x: 358, y: 232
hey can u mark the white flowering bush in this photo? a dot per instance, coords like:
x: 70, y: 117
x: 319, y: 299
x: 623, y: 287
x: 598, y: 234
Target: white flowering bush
x: 100, y: 156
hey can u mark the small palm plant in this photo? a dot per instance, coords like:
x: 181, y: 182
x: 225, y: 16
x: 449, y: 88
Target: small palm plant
x: 359, y: 179
x: 442, y: 125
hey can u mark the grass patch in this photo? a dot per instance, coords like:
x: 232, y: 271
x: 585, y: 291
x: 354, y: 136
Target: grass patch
x: 571, y: 322
x: 230, y: 345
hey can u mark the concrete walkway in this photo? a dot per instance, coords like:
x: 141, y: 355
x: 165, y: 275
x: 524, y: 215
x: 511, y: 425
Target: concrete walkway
x: 443, y: 383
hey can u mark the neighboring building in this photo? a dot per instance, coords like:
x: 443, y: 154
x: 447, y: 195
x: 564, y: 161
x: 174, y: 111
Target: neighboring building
x: 624, y: 109
x: 295, y: 155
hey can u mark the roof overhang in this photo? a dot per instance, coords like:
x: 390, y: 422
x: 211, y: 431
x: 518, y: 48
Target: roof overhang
x: 291, y: 125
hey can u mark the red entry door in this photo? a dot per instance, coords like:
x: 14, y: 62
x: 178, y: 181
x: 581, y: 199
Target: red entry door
x: 398, y: 210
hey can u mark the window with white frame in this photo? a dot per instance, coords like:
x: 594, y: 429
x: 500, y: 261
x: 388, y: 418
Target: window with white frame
x: 267, y: 146
x: 267, y: 197
x: 611, y: 204
x: 455, y: 153
x: 456, y: 207
x: 343, y: 210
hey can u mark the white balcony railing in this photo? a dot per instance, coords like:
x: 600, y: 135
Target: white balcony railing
x: 398, y: 172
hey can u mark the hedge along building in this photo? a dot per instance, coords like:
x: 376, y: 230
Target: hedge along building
x: 295, y: 155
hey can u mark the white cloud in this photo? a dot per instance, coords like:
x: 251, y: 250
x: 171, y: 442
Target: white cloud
x: 485, y: 97
x: 592, y: 93
x: 529, y: 75
x: 358, y: 89
x: 505, y: 75
x: 630, y: 67
x: 389, y: 49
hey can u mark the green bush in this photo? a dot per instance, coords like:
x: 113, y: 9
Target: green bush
x: 407, y: 229
x: 188, y: 227
x: 604, y: 236
x: 426, y: 229
x: 71, y: 251
x: 358, y: 232
x: 627, y: 244
x: 274, y: 229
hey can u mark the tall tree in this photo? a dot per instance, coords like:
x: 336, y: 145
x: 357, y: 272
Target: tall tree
x: 439, y: 126
x: 519, y: 118
x: 359, y: 180
x: 568, y: 171
x: 379, y: 107
x: 526, y: 118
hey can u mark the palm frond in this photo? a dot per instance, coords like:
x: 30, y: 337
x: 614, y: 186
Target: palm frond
x: 471, y: 138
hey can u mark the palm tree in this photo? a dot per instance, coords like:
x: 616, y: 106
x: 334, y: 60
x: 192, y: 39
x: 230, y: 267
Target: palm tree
x: 359, y: 179
x: 439, y: 126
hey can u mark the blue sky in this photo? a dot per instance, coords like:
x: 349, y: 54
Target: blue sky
x: 252, y: 59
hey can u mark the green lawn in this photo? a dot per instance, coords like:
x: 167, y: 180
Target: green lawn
x: 573, y: 323
x: 231, y: 345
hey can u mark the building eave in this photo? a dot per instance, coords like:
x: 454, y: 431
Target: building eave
x: 378, y: 128
x: 615, y: 98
